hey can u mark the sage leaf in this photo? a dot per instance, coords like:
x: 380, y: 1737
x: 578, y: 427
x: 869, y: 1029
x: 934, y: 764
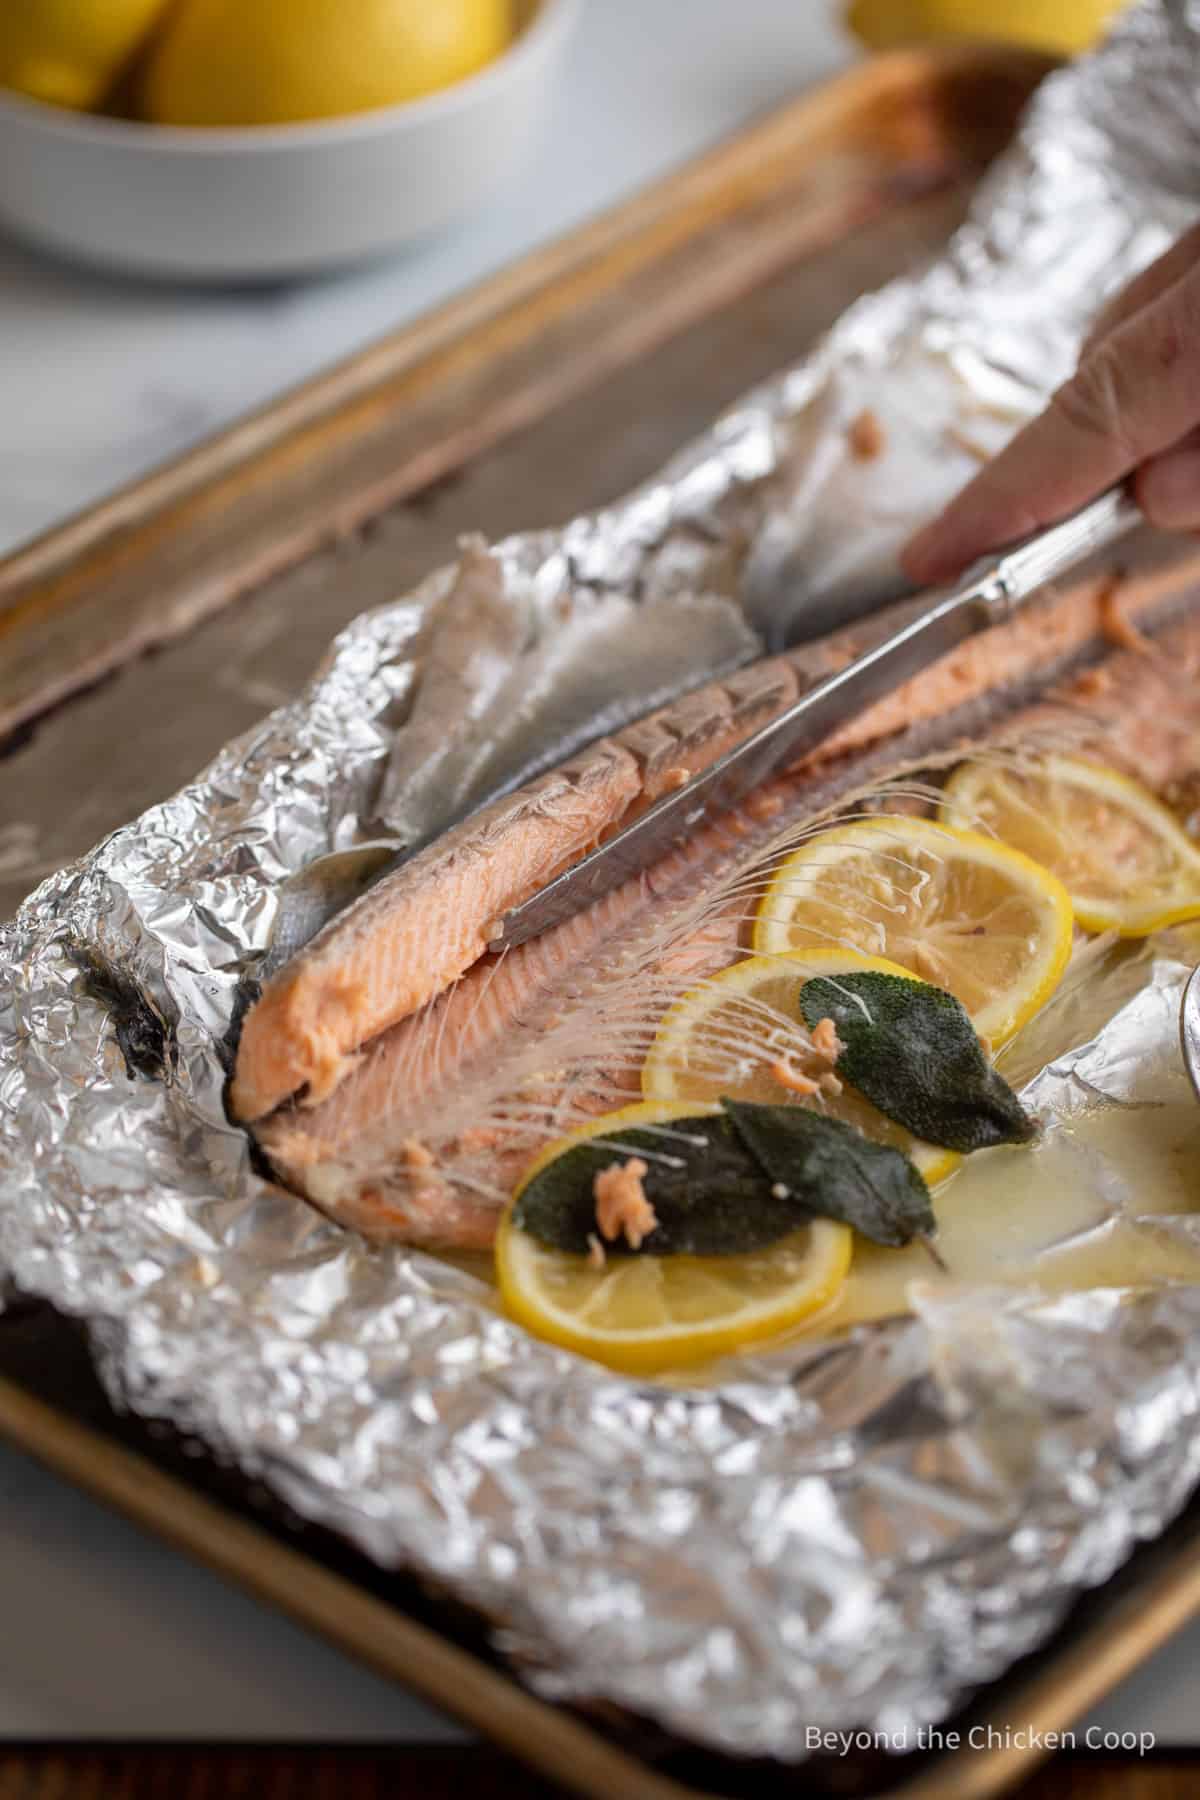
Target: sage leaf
x: 835, y: 1172
x: 710, y: 1196
x: 912, y: 1050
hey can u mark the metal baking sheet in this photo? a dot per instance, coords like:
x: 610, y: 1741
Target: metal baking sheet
x: 116, y: 1352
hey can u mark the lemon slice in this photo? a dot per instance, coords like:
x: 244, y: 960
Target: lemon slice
x: 643, y: 1314
x: 726, y: 1036
x: 1129, y: 866
x: 954, y: 907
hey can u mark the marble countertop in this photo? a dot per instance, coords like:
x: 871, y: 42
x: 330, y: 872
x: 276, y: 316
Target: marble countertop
x: 99, y: 380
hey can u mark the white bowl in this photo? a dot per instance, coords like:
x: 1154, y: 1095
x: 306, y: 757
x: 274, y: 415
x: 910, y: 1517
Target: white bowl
x: 262, y: 202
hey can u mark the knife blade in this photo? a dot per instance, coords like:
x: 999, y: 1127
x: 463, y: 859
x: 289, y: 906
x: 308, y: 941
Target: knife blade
x: 989, y: 594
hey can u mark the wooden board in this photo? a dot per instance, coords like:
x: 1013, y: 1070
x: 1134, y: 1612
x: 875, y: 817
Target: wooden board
x: 548, y: 390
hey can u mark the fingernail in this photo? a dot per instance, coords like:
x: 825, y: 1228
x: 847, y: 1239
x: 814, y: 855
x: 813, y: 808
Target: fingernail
x: 929, y: 556
x: 1168, y: 490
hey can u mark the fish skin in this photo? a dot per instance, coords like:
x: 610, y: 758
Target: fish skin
x: 421, y: 927
x: 510, y: 685
x: 478, y: 636
x: 514, y: 1043
x: 609, y: 662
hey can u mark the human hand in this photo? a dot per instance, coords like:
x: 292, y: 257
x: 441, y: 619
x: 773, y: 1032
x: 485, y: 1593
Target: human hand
x: 1132, y: 408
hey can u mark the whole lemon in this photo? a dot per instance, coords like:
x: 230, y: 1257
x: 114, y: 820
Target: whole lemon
x: 268, y: 62
x: 1063, y: 26
x: 70, y: 52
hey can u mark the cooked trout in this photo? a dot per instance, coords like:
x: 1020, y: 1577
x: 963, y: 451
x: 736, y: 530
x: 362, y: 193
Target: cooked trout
x: 400, y: 1075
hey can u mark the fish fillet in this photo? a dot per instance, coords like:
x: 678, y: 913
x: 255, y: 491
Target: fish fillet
x: 423, y: 1142
x: 417, y: 930
x: 422, y: 927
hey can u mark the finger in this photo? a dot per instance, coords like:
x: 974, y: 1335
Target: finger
x: 1154, y: 280
x: 1130, y: 399
x: 1167, y: 487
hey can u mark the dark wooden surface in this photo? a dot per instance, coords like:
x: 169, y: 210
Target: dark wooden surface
x: 207, y: 1773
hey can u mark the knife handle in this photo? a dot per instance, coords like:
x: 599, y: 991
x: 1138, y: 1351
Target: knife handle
x: 1047, y: 554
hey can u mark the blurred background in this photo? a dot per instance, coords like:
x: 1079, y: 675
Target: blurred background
x: 204, y: 201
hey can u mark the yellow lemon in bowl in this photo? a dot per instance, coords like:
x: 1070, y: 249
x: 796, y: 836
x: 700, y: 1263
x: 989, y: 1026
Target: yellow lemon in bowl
x: 70, y: 52
x: 1063, y: 27
x: 230, y: 63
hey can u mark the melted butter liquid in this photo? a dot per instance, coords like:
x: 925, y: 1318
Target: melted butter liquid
x: 1109, y: 1199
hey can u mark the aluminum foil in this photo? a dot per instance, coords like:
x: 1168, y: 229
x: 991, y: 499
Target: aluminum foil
x: 846, y: 1535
